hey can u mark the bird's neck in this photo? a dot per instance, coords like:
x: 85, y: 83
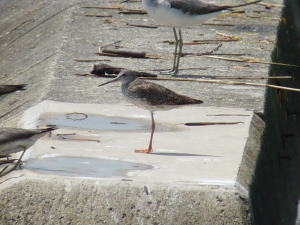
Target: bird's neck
x: 150, y: 2
x: 125, y: 85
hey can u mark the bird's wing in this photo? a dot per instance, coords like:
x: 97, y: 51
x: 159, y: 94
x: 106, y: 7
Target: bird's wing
x: 7, y: 134
x: 196, y: 7
x: 155, y: 94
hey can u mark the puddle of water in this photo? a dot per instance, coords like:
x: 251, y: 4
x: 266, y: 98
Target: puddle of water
x: 83, y: 167
x: 84, y: 121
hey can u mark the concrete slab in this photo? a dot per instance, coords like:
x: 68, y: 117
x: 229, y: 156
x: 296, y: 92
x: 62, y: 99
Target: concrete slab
x: 190, y: 178
x: 182, y: 154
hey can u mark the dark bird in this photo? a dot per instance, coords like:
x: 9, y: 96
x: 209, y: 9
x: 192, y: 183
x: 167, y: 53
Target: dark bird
x: 14, y: 140
x: 150, y: 96
x: 6, y: 88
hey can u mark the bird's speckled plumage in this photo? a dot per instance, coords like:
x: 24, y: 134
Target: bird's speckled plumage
x: 154, y: 96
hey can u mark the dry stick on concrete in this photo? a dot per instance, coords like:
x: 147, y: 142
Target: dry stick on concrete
x: 125, y: 53
x: 119, y: 7
x: 122, y: 55
x: 91, y: 60
x: 249, y: 3
x: 77, y: 139
x: 211, y: 123
x: 227, y: 83
x: 134, y: 11
x: 219, y: 24
x: 141, y: 26
x: 248, y: 61
x: 92, y: 15
x: 201, y: 42
x: 251, y: 78
x: 190, y: 68
x: 3, y: 170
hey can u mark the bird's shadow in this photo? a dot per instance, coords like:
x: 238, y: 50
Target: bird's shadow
x: 183, y: 154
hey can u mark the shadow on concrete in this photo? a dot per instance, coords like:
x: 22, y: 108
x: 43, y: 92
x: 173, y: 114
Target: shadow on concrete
x: 275, y: 189
x: 182, y: 154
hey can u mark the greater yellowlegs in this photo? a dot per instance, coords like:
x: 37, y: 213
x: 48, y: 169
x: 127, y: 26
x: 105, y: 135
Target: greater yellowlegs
x: 183, y: 13
x: 14, y: 140
x: 150, y: 96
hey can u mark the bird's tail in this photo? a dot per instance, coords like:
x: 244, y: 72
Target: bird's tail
x: 48, y: 129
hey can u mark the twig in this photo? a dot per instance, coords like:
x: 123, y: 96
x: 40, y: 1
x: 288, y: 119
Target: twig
x: 91, y: 60
x: 134, y: 11
x: 248, y: 61
x: 65, y: 134
x: 219, y: 24
x: 227, y: 115
x: 90, y: 15
x: 227, y: 83
x: 142, y: 26
x: 103, y: 7
x: 250, y: 78
x: 77, y: 139
x: 192, y: 68
x: 211, y: 123
x: 249, y: 3
x: 3, y: 170
x: 197, y: 42
x: 125, y: 53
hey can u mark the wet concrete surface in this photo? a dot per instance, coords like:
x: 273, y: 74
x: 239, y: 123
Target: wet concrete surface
x: 83, y: 167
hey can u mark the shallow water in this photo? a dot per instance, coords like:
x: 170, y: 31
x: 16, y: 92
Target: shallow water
x: 83, y: 167
x: 104, y: 123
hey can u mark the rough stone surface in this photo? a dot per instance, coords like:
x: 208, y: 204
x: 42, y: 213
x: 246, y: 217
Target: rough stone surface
x: 69, y: 201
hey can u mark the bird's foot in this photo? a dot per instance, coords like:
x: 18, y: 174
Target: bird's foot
x: 172, y: 72
x: 147, y: 151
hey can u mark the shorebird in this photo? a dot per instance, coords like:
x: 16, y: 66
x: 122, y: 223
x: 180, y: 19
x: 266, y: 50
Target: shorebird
x: 14, y: 140
x: 150, y: 96
x: 183, y: 13
x: 6, y: 88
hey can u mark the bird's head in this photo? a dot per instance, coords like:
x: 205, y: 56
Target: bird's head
x: 124, y: 76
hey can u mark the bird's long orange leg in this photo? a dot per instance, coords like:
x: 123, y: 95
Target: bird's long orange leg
x: 150, y: 144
